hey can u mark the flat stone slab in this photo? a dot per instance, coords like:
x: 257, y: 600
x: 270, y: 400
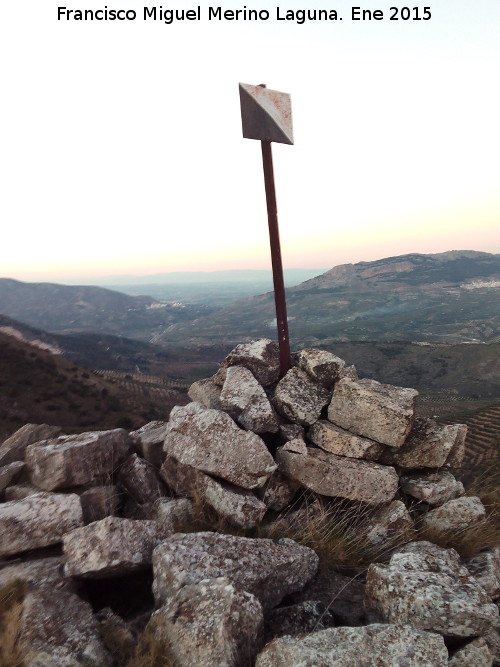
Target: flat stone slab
x: 58, y: 628
x: 339, y: 476
x: 238, y: 506
x: 453, y: 517
x: 323, y: 367
x: 381, y: 412
x: 210, y: 441
x: 149, y: 439
x: 381, y: 645
x: 431, y: 445
x: 298, y: 398
x: 111, y: 547
x: 269, y: 569
x: 428, y: 587
x: 37, y: 521
x: 434, y: 488
x: 206, y: 392
x: 338, y: 441
x: 210, y: 623
x: 246, y: 401
x: 74, y: 460
x: 14, y: 448
x: 261, y: 356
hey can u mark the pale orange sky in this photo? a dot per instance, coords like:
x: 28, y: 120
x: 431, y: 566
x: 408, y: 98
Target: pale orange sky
x: 122, y: 149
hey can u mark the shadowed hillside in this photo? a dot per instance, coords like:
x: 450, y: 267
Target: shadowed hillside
x: 38, y: 386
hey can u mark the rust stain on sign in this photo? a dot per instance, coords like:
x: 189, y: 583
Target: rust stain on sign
x: 266, y: 114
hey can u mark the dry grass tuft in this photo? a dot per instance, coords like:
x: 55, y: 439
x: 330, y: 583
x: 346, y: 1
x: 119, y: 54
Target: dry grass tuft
x: 335, y: 530
x: 469, y: 541
x: 151, y: 651
x: 11, y: 605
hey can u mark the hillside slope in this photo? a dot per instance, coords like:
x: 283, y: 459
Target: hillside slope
x: 448, y: 297
x: 41, y: 387
x: 69, y: 309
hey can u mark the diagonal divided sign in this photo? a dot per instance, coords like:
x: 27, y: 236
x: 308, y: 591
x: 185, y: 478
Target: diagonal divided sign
x: 267, y: 115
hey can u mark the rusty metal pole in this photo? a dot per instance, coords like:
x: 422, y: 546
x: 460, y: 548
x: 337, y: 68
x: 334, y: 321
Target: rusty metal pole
x: 266, y: 115
x: 274, y: 237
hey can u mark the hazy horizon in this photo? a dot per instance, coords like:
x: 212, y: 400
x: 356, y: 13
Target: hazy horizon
x: 210, y: 275
x: 114, y: 161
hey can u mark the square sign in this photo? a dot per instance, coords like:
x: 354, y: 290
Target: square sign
x: 266, y: 114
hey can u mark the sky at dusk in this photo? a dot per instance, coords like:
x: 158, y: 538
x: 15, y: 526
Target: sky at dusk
x: 122, y: 153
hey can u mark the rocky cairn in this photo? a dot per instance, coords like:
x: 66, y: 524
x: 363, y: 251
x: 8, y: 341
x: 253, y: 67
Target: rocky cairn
x: 90, y: 515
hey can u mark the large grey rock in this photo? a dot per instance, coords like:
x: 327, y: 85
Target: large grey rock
x: 381, y: 645
x: 240, y: 507
x: 269, y: 569
x: 9, y: 473
x: 323, y: 367
x: 113, y: 546
x: 37, y: 521
x: 13, y: 448
x: 485, y: 568
x: 206, y: 392
x: 474, y: 654
x: 210, y: 623
x: 99, y: 502
x: 453, y: 517
x: 141, y: 480
x: 334, y: 439
x: 434, y: 488
x: 149, y: 439
x: 429, y: 588
x: 210, y: 441
x: 390, y: 524
x: 261, y: 356
x: 74, y: 460
x: 300, y: 399
x: 339, y: 476
x: 430, y: 445
x: 246, y: 401
x: 55, y: 627
x: 381, y: 412
x: 59, y: 629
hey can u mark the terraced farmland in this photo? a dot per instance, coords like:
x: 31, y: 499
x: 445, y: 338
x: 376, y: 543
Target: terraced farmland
x: 137, y: 388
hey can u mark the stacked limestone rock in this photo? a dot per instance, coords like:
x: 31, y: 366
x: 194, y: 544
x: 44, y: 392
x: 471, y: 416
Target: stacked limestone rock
x: 245, y: 447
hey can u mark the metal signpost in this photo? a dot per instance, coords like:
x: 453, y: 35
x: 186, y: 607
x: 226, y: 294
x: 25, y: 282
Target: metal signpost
x: 267, y: 115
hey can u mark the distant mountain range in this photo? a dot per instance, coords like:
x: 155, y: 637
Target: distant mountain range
x: 449, y: 297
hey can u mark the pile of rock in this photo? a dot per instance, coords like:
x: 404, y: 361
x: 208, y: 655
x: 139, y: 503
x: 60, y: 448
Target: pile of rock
x: 104, y: 505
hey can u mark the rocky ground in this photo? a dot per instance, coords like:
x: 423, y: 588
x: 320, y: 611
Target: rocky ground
x: 306, y: 520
